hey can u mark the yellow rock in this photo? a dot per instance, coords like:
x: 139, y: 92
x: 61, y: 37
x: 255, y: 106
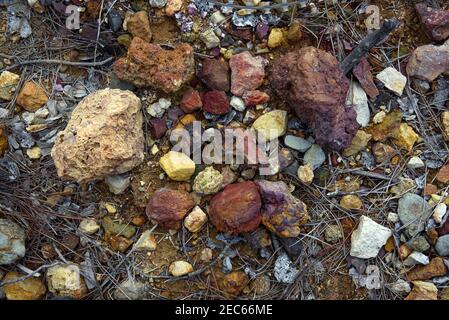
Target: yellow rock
x: 351, y: 202
x: 34, y: 153
x: 272, y: 124
x: 405, y: 137
x: 66, y: 280
x: 359, y: 142
x: 177, y: 165
x: 305, y: 174
x: 28, y: 289
x: 423, y: 291
x: 180, y: 268
x: 445, y: 124
x: 8, y: 84
x: 276, y: 38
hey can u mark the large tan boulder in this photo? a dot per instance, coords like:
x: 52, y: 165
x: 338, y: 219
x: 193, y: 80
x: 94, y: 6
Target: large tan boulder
x: 103, y: 137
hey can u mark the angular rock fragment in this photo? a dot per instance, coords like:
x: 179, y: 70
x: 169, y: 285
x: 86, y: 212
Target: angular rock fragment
x: 272, y: 124
x: 31, y: 97
x: 413, y: 212
x: 180, y: 268
x: 436, y: 268
x: 358, y: 100
x: 362, y: 72
x: 177, y: 165
x: 435, y: 21
x: 8, y: 84
x: 195, y: 220
x: 368, y: 238
x: 393, y: 80
x: 28, y: 289
x: 247, y: 72
x: 255, y: 97
x: 215, y: 74
x: 216, y: 102
x: 312, y: 82
x: 148, y: 65
x: 138, y: 24
x: 12, y: 242
x: 66, y: 281
x: 234, y: 282
x: 191, y: 101
x: 429, y: 61
x: 423, y: 291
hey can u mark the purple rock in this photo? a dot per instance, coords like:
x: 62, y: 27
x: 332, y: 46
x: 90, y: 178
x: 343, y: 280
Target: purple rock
x: 262, y: 30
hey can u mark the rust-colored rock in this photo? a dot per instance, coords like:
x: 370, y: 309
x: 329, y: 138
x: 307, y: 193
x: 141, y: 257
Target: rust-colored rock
x: 234, y: 282
x: 215, y: 74
x: 32, y: 97
x: 247, y: 72
x: 138, y: 24
x: 282, y: 213
x: 255, y: 97
x: 436, y: 22
x: 429, y: 61
x: 312, y: 82
x: 443, y: 174
x: 191, y: 101
x: 436, y: 268
x: 236, y: 209
x: 362, y: 72
x: 148, y: 65
x: 167, y: 207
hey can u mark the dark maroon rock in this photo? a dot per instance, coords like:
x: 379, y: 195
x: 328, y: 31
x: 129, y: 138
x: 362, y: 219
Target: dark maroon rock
x: 312, y: 82
x: 242, y: 34
x: 436, y: 22
x: 362, y: 72
x: 174, y: 113
x: 158, y: 128
x: 191, y: 101
x: 216, y: 102
x: 215, y: 74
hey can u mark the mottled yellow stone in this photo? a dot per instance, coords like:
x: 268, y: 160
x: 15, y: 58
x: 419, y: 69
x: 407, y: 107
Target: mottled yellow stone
x: 272, y: 124
x: 351, y: 202
x: 276, y: 38
x: 405, y: 137
x: 177, y: 165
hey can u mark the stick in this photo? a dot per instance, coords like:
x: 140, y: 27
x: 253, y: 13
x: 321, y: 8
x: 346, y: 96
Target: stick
x: 367, y: 43
x: 31, y: 274
x: 68, y: 63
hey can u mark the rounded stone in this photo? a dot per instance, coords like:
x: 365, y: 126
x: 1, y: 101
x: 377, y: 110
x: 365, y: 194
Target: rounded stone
x: 28, y: 289
x: 12, y: 242
x: 208, y: 181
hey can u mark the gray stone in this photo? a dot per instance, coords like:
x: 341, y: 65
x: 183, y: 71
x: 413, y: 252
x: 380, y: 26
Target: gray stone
x: 419, y: 244
x: 416, y: 258
x: 131, y: 290
x: 315, y: 156
x: 442, y: 245
x: 158, y: 3
x: 413, y: 212
x: 12, y: 242
x: 117, y: 184
x: 284, y: 270
x: 297, y: 143
x: 400, y: 287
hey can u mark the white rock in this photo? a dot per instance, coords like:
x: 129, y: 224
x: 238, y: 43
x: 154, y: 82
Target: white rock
x: 368, y: 238
x: 393, y: 80
x: 284, y: 270
x: 358, y: 100
x: 415, y: 163
x: 237, y: 103
x: 180, y: 268
x: 158, y: 108
x: 217, y: 17
x: 400, y: 287
x: 89, y: 226
x: 117, y: 184
x: 416, y: 258
x: 146, y: 242
x: 393, y: 217
x: 439, y: 212
x: 66, y: 280
x: 131, y: 289
x: 195, y: 220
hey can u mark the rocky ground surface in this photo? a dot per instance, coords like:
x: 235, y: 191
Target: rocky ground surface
x: 94, y: 204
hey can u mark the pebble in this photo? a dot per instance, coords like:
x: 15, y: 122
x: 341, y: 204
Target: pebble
x: 297, y: 143
x: 358, y: 100
x: 423, y: 291
x: 415, y: 163
x: 210, y: 39
x: 32, y: 97
x: 117, y: 228
x: 146, y: 242
x: 158, y: 108
x: 368, y: 238
x: 419, y: 244
x: 12, y: 242
x: 284, y: 269
x: 436, y: 268
x: 247, y: 72
x: 359, y: 143
x: 206, y: 255
x: 215, y: 74
x: 89, y: 226
x: 435, y: 21
x: 351, y: 202
x: 234, y: 283
x: 191, y: 101
x: 131, y: 289
x: 272, y: 124
x: 217, y: 17
x: 416, y: 258
x: 208, y: 181
x: 439, y: 212
x: 8, y: 85
x: 393, y: 217
x: 443, y: 174
x: 442, y: 245
x: 276, y: 38
x: 237, y: 103
x: 305, y: 174
x: 429, y: 61
x: 158, y: 3
x: 177, y: 166
x: 315, y: 156
x: 29, y: 289
x: 34, y: 153
x: 333, y: 233
x: 65, y: 280
x: 114, y: 20
x: 413, y: 212
x: 117, y: 184
x: 180, y: 268
x: 400, y: 287
x: 393, y: 80
x: 405, y: 137
x: 216, y: 102
x: 195, y: 220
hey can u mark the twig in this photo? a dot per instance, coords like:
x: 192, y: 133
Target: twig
x: 55, y: 61
x: 45, y: 266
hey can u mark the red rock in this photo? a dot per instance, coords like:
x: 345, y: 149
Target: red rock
x: 443, y: 174
x: 242, y: 34
x: 312, y: 82
x: 215, y: 74
x: 236, y: 209
x: 254, y: 97
x: 436, y: 22
x: 282, y: 213
x: 158, y: 128
x: 362, y: 72
x: 429, y: 61
x: 191, y: 101
x: 247, y: 72
x: 167, y: 207
x: 216, y: 102
x: 148, y: 65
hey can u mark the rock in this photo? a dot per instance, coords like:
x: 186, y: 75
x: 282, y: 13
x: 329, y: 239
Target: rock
x: 215, y: 74
x: 439, y: 212
x: 168, y: 207
x: 3, y: 140
x: 272, y: 124
x: 443, y: 174
x: 419, y: 244
x: 191, y: 101
x: 405, y: 137
x: 138, y: 24
x: 393, y: 80
x: 172, y: 7
x: 255, y: 97
x: 262, y: 30
x: 387, y: 127
x: 237, y: 103
x: 423, y: 291
x: 236, y: 209
x: 65, y: 280
x: 158, y: 3
x: 435, y: 21
x: 148, y: 65
x: 315, y: 156
x: 400, y: 287
x: 146, y: 242
x: 8, y: 85
x: 103, y: 137
x: 368, y: 238
x: 294, y: 33
x: 216, y: 102
x: 180, y: 268
x: 415, y: 163
x: 359, y: 143
x: 413, y: 212
x: 195, y: 220
x: 234, y: 283
x: 118, y: 243
x: 333, y: 233
x: 445, y: 124
x: 362, y: 71
x: 31, y: 97
x: 351, y: 202
x: 416, y: 258
x: 442, y: 245
x: 428, y: 62
x: 34, y: 153
x: 158, y: 108
x: 117, y: 184
x: 131, y: 289
x: 276, y: 38
x: 210, y: 39
x: 117, y: 228
x: 436, y: 268
x: 29, y: 289
x: 284, y: 270
x: 282, y: 213
x: 393, y: 217
x: 383, y: 152
x: 208, y: 181
x: 206, y: 255
x: 247, y: 72
x: 312, y: 82
x: 358, y: 100
x: 115, y: 20
x: 89, y: 226
x: 297, y: 143
x: 124, y: 40
x: 12, y: 242
x: 157, y: 127
x: 177, y: 165
x: 305, y: 174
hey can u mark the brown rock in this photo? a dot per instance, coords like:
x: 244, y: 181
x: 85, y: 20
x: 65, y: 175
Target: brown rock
x: 215, y: 74
x: 429, y: 61
x: 236, y: 209
x: 430, y: 189
x: 32, y: 97
x: 148, y: 65
x: 423, y: 291
x: 28, y: 289
x: 435, y: 268
x: 387, y: 128
x: 247, y: 72
x: 103, y: 137
x: 282, y: 213
x: 362, y: 72
x: 167, y: 207
x: 191, y: 101
x: 138, y: 24
x: 255, y: 97
x: 445, y: 123
x: 234, y: 282
x: 312, y: 82
x: 383, y: 152
x: 443, y: 174
x: 158, y: 127
x: 435, y: 21
x: 3, y: 140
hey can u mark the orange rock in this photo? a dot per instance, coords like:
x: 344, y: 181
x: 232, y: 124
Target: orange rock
x: 138, y: 221
x: 430, y: 189
x: 390, y: 245
x: 234, y: 282
x: 435, y: 268
x: 3, y: 140
x: 404, y: 251
x: 423, y: 291
x: 32, y: 97
x: 443, y: 174
x: 433, y: 235
x: 387, y: 127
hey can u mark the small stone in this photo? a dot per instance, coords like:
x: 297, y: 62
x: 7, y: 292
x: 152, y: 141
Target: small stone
x: 359, y: 143
x: 158, y: 128
x: 429, y: 61
x: 423, y: 291
x: 443, y: 174
x: 158, y: 108
x: 8, y: 85
x: 146, y: 242
x: 416, y: 258
x: 215, y: 74
x: 415, y: 163
x: 32, y: 97
x: 393, y: 217
x: 29, y: 289
x: 315, y: 156
x: 276, y: 38
x: 89, y: 226
x: 138, y: 24
x: 439, y: 212
x: 387, y: 127
x: 436, y: 268
x: 383, y: 152
x: 195, y: 220
x: 305, y: 174
x: 234, y: 283
x: 110, y: 208
x: 208, y: 181
x: 400, y: 287
x: 65, y: 280
x: 442, y: 245
x: 255, y: 97
x: 191, y: 101
x: 445, y: 124
x: 217, y: 17
x: 333, y: 233
x: 435, y: 21
x: 238, y: 104
x: 351, y: 202
x: 405, y: 137
x: 362, y: 71
x: 368, y: 238
x: 172, y: 7
x: 294, y: 33
x: 262, y: 30
x: 216, y: 102
x: 117, y: 184
x: 206, y: 255
x: 247, y: 72
x: 177, y: 166
x: 131, y: 289
x: 158, y: 3
x: 124, y: 40
x: 358, y: 100
x: 379, y: 117
x: 284, y: 269
x: 272, y: 124
x: 393, y: 80
x: 12, y: 242
x: 34, y: 153
x: 419, y: 244
x: 117, y: 228
x: 180, y: 268
x: 413, y: 212
x: 210, y: 39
